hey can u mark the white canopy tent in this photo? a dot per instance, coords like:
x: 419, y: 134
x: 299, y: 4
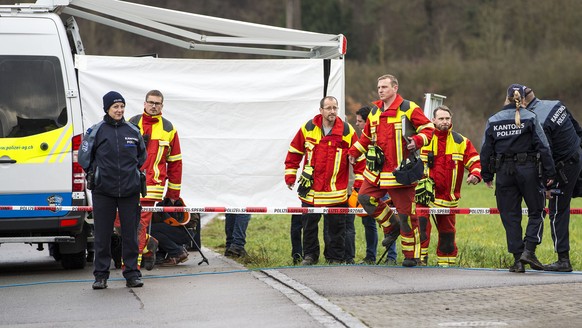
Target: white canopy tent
x: 235, y: 118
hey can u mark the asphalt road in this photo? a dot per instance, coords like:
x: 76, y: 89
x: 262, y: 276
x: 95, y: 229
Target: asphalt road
x: 36, y: 292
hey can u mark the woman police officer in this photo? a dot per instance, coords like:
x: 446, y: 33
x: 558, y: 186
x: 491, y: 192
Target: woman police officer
x: 514, y: 144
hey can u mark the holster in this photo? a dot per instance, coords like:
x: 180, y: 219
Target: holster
x: 560, y: 169
x: 142, y: 184
x: 90, y: 180
x: 495, y: 163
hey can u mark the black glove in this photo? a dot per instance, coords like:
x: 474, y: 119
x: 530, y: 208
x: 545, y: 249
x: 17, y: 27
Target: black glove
x: 379, y: 158
x: 305, y: 181
x: 374, y: 158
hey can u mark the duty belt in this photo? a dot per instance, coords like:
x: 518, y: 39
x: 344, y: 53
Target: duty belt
x: 520, y: 157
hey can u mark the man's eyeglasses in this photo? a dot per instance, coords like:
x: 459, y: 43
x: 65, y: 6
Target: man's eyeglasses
x: 331, y: 108
x: 154, y: 103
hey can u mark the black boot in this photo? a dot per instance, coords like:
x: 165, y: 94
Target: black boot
x: 529, y: 257
x: 100, y: 283
x: 562, y: 265
x: 410, y: 262
x: 517, y: 266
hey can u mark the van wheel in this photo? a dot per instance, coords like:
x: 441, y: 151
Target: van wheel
x: 54, y: 251
x: 74, y: 261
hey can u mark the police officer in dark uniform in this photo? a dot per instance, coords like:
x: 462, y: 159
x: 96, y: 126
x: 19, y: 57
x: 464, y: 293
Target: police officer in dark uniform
x: 112, y: 152
x: 563, y: 133
x: 514, y: 144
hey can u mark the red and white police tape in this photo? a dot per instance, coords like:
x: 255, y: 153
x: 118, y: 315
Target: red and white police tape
x: 269, y: 210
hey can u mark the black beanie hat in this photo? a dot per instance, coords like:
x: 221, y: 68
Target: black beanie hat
x: 111, y: 98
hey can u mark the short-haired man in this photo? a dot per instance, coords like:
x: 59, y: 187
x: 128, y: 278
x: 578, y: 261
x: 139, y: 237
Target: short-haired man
x: 386, y: 145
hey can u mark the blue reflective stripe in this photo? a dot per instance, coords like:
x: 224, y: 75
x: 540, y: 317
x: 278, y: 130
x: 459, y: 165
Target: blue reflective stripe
x: 44, y: 199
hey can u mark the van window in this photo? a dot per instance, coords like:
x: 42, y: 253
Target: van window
x: 32, y: 95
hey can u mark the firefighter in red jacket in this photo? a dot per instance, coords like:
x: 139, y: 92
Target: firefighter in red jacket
x: 385, y: 144
x: 164, y: 163
x: 446, y: 158
x: 322, y: 145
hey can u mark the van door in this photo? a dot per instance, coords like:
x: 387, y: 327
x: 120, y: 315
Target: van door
x: 35, y: 134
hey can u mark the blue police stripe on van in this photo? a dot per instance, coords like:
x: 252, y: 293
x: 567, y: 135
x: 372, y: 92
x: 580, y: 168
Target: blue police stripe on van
x: 33, y: 200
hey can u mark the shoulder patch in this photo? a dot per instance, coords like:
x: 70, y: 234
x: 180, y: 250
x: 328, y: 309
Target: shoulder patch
x: 374, y: 110
x: 135, y: 120
x: 168, y: 126
x: 405, y: 105
x: 309, y: 126
x: 457, y: 137
x: 346, y: 129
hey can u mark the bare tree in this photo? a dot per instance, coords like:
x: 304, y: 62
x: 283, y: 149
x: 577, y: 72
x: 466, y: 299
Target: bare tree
x: 294, y: 14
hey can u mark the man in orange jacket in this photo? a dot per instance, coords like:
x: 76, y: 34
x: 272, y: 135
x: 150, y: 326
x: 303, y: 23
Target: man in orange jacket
x: 446, y: 158
x: 384, y: 133
x: 322, y: 145
x: 164, y: 163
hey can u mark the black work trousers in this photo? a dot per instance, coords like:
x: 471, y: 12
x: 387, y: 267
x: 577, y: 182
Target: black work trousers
x: 559, y: 205
x: 335, y: 239
x: 516, y: 182
x: 296, y: 229
x: 171, y: 239
x: 105, y: 209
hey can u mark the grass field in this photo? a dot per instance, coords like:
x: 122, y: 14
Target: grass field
x: 480, y: 238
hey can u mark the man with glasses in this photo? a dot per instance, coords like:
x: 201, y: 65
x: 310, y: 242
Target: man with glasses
x: 164, y: 162
x: 322, y: 145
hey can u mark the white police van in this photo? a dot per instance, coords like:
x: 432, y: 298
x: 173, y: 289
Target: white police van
x: 40, y: 133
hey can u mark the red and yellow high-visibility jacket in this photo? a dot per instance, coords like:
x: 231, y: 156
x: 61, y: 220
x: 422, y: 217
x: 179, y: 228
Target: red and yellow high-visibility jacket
x: 164, y: 161
x: 452, y: 154
x: 328, y: 155
x: 385, y: 126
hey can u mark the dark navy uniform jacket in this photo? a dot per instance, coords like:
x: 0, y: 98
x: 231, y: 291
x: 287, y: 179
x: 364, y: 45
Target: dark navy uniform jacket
x: 503, y: 136
x: 115, y: 151
x: 562, y: 130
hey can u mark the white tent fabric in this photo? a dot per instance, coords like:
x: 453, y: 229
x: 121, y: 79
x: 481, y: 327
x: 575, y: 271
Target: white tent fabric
x: 235, y: 118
